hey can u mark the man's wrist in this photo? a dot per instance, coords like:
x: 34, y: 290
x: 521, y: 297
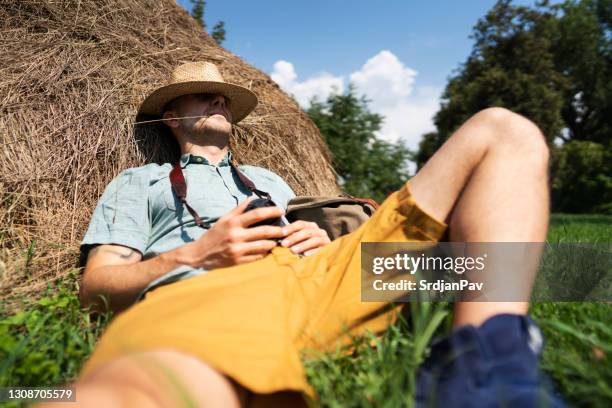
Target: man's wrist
x: 177, y: 257
x: 183, y: 255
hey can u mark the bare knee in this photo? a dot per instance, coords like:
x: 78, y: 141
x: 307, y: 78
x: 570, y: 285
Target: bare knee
x: 170, y: 378
x: 516, y: 135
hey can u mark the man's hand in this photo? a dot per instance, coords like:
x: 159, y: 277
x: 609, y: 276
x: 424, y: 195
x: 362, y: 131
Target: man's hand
x: 304, y: 237
x: 231, y: 242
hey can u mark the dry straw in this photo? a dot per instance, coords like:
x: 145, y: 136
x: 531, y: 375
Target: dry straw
x: 71, y: 76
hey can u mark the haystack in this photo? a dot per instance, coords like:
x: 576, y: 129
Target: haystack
x: 72, y: 74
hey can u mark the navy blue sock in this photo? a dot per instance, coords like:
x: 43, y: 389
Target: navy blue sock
x: 494, y: 365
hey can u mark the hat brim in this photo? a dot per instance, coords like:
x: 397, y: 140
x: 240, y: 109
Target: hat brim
x: 242, y: 101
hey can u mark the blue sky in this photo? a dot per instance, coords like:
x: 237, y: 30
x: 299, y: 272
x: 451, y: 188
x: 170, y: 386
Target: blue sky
x: 400, y: 53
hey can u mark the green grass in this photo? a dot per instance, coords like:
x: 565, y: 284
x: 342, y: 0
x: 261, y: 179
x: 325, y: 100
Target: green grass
x: 580, y: 228
x: 577, y: 354
x: 578, y: 350
x: 47, y: 341
x: 577, y: 260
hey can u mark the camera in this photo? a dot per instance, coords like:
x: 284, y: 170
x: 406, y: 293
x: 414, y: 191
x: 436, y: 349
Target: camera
x: 264, y: 202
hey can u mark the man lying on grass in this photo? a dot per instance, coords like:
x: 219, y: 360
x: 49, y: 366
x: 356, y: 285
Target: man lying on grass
x: 227, y: 309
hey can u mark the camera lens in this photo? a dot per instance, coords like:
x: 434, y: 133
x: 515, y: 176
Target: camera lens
x: 264, y: 202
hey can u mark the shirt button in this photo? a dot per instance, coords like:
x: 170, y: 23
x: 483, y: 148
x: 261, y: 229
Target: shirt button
x: 199, y: 160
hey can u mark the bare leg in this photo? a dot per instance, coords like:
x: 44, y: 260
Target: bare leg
x: 156, y: 379
x: 489, y: 182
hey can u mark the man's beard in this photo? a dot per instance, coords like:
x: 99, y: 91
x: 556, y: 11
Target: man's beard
x: 210, y: 135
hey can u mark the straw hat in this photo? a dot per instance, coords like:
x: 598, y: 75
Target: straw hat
x: 199, y: 77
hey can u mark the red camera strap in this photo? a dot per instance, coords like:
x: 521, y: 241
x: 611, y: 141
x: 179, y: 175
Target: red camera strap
x: 179, y: 186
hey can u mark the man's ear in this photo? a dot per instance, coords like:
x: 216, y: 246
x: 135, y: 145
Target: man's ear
x: 169, y: 115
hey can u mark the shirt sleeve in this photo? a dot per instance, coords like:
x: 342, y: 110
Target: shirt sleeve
x: 285, y: 191
x: 122, y: 214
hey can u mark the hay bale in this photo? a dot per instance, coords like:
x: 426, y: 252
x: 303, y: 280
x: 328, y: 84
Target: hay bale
x: 71, y: 77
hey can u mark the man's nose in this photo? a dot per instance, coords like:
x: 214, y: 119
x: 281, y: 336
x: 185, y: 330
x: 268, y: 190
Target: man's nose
x: 218, y: 100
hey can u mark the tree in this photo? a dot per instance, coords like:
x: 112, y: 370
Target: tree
x: 218, y: 32
x: 512, y: 66
x: 550, y: 63
x: 367, y: 165
x: 197, y: 12
x: 582, y: 49
x: 582, y: 180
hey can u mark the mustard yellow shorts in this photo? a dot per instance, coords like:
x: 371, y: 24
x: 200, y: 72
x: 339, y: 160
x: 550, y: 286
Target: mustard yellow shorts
x: 251, y: 322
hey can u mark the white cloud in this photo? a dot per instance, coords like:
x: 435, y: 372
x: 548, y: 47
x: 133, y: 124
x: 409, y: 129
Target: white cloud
x: 387, y: 82
x: 391, y: 87
x: 409, y: 118
x: 320, y: 85
x: 384, y: 79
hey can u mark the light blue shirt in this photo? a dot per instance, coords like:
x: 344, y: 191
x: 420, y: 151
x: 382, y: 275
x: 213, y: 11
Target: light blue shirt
x: 139, y: 210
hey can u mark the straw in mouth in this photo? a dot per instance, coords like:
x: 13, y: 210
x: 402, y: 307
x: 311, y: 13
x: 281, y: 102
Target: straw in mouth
x: 162, y: 120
